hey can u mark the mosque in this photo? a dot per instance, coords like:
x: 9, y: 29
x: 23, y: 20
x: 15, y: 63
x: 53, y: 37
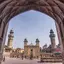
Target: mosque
x: 31, y: 50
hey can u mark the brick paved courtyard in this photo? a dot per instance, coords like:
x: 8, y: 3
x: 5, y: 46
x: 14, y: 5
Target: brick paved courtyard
x: 25, y: 61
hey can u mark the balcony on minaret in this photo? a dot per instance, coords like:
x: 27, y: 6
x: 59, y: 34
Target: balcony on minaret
x: 52, y: 35
x: 11, y: 33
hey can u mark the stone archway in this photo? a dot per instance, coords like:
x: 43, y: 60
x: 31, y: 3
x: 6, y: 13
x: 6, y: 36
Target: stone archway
x: 10, y: 8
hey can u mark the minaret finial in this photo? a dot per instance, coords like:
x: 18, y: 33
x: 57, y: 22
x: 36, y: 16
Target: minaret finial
x: 25, y: 42
x: 37, y: 42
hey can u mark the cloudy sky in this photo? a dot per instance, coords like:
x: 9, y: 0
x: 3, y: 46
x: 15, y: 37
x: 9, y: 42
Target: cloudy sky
x: 31, y: 25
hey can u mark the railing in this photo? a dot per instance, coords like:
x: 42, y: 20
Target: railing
x: 49, y: 59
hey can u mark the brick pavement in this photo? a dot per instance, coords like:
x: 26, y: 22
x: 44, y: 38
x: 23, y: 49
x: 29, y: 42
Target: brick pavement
x: 25, y: 61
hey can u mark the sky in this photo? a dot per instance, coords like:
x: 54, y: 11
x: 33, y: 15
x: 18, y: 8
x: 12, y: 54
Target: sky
x: 31, y: 25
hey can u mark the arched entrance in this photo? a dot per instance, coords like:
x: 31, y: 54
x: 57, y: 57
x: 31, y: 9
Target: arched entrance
x: 10, y: 8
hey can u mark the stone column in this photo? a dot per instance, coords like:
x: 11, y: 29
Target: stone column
x: 1, y: 55
x: 62, y: 29
x: 3, y: 32
x: 63, y: 51
x: 59, y: 35
x: 63, y: 44
x: 1, y: 40
x: 60, y: 32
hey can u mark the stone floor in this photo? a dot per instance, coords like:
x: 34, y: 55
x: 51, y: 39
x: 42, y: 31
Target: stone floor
x: 25, y: 61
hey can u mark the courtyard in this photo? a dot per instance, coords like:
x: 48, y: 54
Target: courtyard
x: 25, y: 61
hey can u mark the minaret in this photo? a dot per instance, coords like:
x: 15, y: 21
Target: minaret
x: 10, y: 39
x: 52, y: 38
x: 25, y: 42
x: 37, y: 42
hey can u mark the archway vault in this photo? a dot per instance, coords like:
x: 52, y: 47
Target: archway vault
x: 10, y: 8
x: 53, y: 8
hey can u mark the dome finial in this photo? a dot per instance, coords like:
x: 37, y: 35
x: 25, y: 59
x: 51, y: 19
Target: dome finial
x: 51, y: 31
x: 25, y: 40
x: 11, y: 31
x: 37, y: 40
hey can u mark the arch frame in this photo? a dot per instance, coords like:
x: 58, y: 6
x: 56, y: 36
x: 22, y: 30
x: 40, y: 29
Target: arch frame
x: 11, y: 8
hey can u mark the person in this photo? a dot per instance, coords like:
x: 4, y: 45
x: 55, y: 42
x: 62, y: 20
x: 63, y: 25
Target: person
x: 22, y: 57
x: 4, y: 59
x: 25, y: 57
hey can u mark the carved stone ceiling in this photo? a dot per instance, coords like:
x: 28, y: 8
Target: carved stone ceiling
x: 10, y: 8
